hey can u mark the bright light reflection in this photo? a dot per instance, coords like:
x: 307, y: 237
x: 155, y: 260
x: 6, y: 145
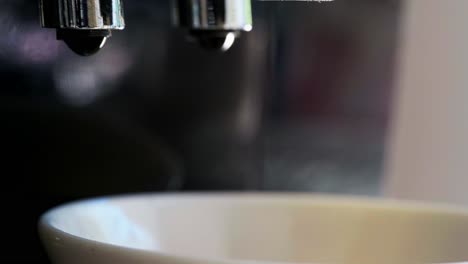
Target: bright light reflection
x: 230, y: 39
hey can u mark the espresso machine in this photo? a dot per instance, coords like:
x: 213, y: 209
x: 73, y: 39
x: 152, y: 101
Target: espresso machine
x: 103, y: 97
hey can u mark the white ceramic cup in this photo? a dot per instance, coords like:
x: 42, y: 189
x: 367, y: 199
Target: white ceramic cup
x: 253, y: 228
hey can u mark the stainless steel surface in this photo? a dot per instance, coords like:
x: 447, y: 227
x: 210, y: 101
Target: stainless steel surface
x: 84, y: 25
x: 235, y: 15
x: 82, y: 14
x: 214, y: 24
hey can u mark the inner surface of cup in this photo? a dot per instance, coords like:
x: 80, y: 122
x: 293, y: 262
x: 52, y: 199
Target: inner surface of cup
x: 278, y: 228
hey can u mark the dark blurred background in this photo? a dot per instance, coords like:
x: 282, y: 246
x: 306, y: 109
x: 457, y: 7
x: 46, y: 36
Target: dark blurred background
x: 301, y: 103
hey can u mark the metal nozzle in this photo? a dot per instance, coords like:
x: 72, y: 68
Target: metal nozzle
x: 214, y: 24
x: 84, y: 25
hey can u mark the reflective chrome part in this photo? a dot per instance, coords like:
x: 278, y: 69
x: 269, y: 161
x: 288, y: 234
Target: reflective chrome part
x: 214, y: 14
x: 213, y: 23
x: 83, y: 24
x: 82, y: 14
x: 84, y: 42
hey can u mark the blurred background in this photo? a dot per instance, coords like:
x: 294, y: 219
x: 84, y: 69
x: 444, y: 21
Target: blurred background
x: 304, y: 102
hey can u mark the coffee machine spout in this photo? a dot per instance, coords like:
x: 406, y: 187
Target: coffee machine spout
x: 214, y: 24
x: 83, y: 25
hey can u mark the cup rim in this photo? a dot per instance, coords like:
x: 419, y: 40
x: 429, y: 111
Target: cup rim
x: 47, y: 230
